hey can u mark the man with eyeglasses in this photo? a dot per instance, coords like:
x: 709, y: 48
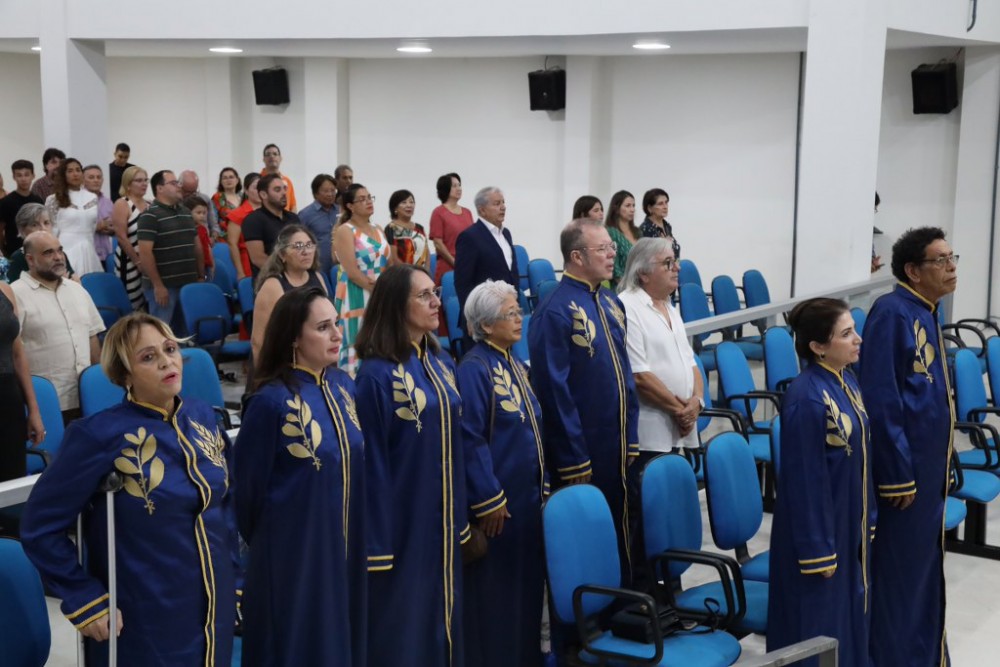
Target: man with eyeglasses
x: 907, y: 393
x: 484, y: 251
x: 272, y: 165
x: 169, y: 252
x: 261, y: 228
x: 582, y: 375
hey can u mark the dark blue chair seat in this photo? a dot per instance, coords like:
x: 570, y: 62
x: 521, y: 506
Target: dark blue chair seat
x: 755, y: 618
x: 760, y: 445
x: 679, y: 650
x: 236, y: 348
x: 954, y: 513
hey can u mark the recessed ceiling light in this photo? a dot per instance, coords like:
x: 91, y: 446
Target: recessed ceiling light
x: 36, y: 48
x: 414, y: 48
x: 225, y: 49
x: 650, y: 46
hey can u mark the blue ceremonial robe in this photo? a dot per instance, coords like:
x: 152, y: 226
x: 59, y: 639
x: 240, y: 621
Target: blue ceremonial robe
x: 824, y: 517
x: 504, y: 466
x: 905, y: 381
x: 583, y: 379
x: 300, y: 504
x: 176, y: 536
x: 416, y: 518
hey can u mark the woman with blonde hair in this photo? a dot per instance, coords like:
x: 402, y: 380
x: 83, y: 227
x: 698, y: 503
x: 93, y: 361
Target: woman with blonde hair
x: 124, y: 219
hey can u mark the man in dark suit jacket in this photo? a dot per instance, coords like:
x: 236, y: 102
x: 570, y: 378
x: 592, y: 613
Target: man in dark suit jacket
x: 484, y: 251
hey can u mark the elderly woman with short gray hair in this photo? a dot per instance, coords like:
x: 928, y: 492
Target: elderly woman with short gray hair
x: 505, y: 482
x: 31, y: 218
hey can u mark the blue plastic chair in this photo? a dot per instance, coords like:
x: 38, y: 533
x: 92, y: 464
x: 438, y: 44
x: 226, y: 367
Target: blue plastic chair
x: 521, y: 253
x: 975, y: 489
x: 776, y: 447
x: 221, y: 254
x: 860, y: 317
x: 689, y: 274
x: 48, y: 404
x: 672, y: 535
x: 26, y: 637
x: 694, y: 306
x: 97, y: 392
x: 455, y: 333
x: 246, y: 296
x: 539, y: 270
x: 735, y: 508
x: 201, y: 381
x: 109, y: 295
x: 781, y: 363
x: 756, y: 293
x: 206, y: 316
x: 109, y: 261
x: 225, y: 279
x: 432, y: 267
x: 448, y: 286
x: 520, y: 348
x: 725, y: 299
x: 584, y: 577
x: 545, y: 288
x: 737, y: 390
x: 971, y: 410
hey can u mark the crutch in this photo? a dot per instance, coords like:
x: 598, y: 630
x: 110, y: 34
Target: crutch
x: 109, y: 486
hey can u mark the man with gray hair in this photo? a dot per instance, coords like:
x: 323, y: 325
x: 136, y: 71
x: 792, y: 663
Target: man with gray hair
x: 59, y: 322
x: 189, y: 188
x: 484, y: 251
x: 582, y: 376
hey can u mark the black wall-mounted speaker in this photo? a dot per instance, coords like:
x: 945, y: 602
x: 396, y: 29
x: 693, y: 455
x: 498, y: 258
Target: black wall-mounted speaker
x: 935, y: 88
x: 270, y: 86
x: 547, y: 89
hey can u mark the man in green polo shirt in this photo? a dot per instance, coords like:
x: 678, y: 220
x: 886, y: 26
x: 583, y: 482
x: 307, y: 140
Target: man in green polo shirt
x: 169, y: 253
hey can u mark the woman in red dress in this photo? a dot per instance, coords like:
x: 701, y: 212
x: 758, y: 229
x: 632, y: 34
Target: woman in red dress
x: 448, y: 221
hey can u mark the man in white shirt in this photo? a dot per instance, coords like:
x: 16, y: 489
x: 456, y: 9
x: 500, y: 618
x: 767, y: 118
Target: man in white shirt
x: 59, y: 322
x: 666, y: 377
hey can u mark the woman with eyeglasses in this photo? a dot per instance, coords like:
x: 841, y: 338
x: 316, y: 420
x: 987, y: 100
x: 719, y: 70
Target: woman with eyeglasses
x: 293, y: 263
x: 505, y: 486
x: 416, y: 515
x: 363, y: 253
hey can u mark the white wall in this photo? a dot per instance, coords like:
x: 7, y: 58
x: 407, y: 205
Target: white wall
x: 918, y: 154
x: 411, y: 121
x: 20, y: 113
x: 718, y: 134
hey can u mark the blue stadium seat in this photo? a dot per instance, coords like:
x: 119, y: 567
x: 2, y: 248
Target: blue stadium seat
x: 539, y: 270
x: 520, y: 348
x: 207, y: 317
x: 725, y: 299
x: 694, y: 306
x: 522, y: 268
x: 109, y: 295
x: 689, y: 274
x: 200, y: 380
x: 781, y: 363
x: 97, y: 392
x: 41, y: 455
x: 24, y: 617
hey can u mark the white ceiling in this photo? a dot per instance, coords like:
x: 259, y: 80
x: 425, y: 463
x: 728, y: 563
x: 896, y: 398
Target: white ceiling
x: 777, y: 40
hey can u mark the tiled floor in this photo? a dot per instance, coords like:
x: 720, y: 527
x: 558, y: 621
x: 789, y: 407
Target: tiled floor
x: 973, y: 590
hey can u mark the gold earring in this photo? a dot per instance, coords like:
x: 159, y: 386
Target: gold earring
x: 822, y: 356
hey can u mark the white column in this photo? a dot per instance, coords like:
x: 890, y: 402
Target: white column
x: 219, y: 125
x: 325, y: 117
x: 583, y: 74
x: 974, y: 183
x: 74, y: 89
x: 839, y: 148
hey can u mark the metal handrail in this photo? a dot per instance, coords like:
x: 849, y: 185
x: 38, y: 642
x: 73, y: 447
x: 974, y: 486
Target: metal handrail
x: 16, y: 491
x: 735, y: 318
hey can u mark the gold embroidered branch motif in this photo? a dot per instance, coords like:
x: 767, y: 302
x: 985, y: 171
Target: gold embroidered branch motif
x: 838, y: 425
x: 509, y: 393
x: 404, y: 391
x: 139, y: 482
x: 212, y: 446
x: 300, y: 424
x: 586, y: 331
x: 925, y: 352
x: 352, y: 409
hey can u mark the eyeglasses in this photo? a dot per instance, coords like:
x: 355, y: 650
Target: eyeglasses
x: 361, y: 200
x: 604, y: 249
x: 941, y: 262
x: 428, y: 295
x: 512, y: 315
x: 302, y: 247
x: 173, y: 183
x: 671, y: 264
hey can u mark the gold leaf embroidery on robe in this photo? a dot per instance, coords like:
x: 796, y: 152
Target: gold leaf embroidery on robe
x: 838, y: 425
x: 509, y: 393
x: 924, y: 350
x: 299, y: 423
x: 584, y: 328
x: 412, y: 397
x: 138, y: 479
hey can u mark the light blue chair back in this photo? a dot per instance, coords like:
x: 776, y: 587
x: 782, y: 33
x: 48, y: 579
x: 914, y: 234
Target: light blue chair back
x: 97, y: 392
x: 781, y: 363
x: 222, y: 255
x: 206, y: 313
x: 448, y: 286
x: 539, y: 270
x: 201, y: 379
x: 521, y: 253
x: 26, y: 637
x: 671, y: 511
x: 776, y: 447
x: 451, y: 314
x: 689, y: 274
x: 735, y: 508
x: 993, y: 367
x: 581, y: 547
x: 755, y: 289
x: 970, y: 392
x: 545, y: 288
x: 109, y: 295
x: 48, y: 405
x: 860, y: 317
x: 735, y: 377
x: 725, y: 298
x: 694, y: 305
x: 520, y: 348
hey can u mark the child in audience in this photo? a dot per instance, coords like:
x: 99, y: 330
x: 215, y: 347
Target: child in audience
x: 199, y: 211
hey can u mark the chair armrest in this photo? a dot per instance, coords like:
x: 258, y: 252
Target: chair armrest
x: 956, y: 480
x: 646, y: 604
x: 41, y: 453
x: 981, y: 440
x: 770, y: 396
x: 782, y: 385
x: 730, y: 576
x: 959, y: 327
x: 725, y: 413
x: 975, y: 413
x: 986, y: 324
x: 211, y: 318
